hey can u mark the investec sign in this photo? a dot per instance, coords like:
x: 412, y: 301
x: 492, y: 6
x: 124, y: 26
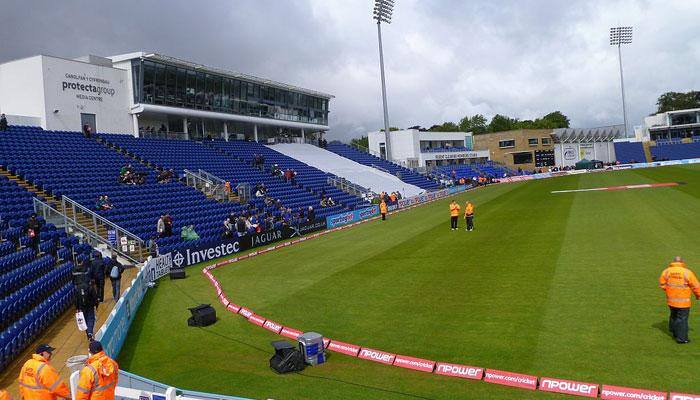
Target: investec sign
x: 185, y: 258
x: 455, y: 155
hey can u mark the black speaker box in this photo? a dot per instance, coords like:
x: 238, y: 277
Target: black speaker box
x: 202, y: 315
x: 177, y: 274
x: 287, y: 358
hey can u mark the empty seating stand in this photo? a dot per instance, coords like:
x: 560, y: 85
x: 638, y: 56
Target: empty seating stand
x: 675, y: 151
x: 404, y: 174
x: 629, y: 152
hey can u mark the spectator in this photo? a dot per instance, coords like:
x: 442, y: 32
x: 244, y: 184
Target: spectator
x: 310, y: 214
x: 160, y: 226
x: 152, y: 245
x: 241, y: 226
x: 98, y: 275
x: 3, y: 123
x: 103, y: 203
x: 188, y: 234
x: 168, y: 220
x: 87, y: 131
x: 162, y: 129
x: 165, y: 176
x: 86, y: 302
x: 114, y: 269
x: 229, y: 227
x: 38, y: 380
x: 98, y: 378
x: 82, y: 272
x: 33, y: 230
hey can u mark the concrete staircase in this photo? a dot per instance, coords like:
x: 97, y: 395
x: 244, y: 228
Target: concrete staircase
x: 647, y: 151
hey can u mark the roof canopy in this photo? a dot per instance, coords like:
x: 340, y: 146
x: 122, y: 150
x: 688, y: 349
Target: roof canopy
x: 586, y: 135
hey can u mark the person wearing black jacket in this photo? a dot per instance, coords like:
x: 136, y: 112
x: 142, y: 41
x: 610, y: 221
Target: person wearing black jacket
x: 33, y: 230
x: 98, y: 275
x: 82, y: 272
x: 86, y: 301
x: 114, y: 270
x: 3, y: 123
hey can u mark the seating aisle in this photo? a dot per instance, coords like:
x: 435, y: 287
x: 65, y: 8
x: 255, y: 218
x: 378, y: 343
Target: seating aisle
x: 367, y: 177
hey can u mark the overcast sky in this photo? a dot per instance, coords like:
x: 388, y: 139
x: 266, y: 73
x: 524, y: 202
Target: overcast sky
x: 444, y: 58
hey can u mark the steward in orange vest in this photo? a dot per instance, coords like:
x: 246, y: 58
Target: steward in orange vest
x: 454, y: 214
x: 382, y: 210
x: 679, y: 283
x: 469, y: 216
x: 4, y: 395
x: 38, y: 380
x: 98, y: 379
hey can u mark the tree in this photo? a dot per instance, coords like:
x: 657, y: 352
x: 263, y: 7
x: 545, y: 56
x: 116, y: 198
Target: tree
x: 361, y: 142
x: 554, y: 120
x: 672, y: 101
x: 445, y: 127
x: 501, y: 123
x: 475, y: 124
x: 391, y: 129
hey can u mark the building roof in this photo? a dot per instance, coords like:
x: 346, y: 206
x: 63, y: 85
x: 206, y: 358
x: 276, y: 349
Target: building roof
x: 232, y: 74
x: 578, y: 135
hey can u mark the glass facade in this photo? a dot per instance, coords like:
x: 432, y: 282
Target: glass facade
x: 176, y: 86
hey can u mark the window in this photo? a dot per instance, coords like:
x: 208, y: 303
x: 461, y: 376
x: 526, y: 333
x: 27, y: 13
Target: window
x: 504, y: 144
x: 199, y: 98
x: 149, y: 88
x: 191, y: 89
x: 181, y: 93
x: 522, y: 158
x: 160, y: 83
x: 136, y: 80
x: 546, y: 141
x: 170, y: 84
x: 532, y: 142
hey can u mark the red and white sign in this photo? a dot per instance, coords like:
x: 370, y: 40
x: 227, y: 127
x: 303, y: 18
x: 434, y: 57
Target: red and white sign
x: 245, y: 312
x: 256, y: 320
x: 233, y: 308
x: 569, y: 387
x: 460, y: 371
x: 377, y: 356
x: 272, y: 326
x: 510, y: 379
x: 417, y: 364
x: 326, y: 342
x: 290, y: 333
x: 681, y: 396
x: 344, y: 348
x: 624, y: 393
x: 223, y: 299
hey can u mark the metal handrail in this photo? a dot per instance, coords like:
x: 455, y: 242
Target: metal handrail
x: 207, y: 183
x: 211, y: 177
x: 347, y: 186
x: 61, y: 220
x: 119, y: 232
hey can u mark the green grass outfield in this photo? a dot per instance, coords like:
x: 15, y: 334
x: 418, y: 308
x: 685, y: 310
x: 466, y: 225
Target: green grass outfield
x: 558, y: 285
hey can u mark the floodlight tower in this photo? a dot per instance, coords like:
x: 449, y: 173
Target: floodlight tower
x: 382, y: 13
x: 618, y: 36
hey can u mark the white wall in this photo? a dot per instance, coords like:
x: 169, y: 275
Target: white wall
x: 74, y: 87
x: 575, y: 152
x: 22, y: 88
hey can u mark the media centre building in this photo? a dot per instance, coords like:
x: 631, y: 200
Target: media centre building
x: 148, y: 94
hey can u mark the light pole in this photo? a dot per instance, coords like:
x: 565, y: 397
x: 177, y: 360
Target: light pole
x: 382, y: 13
x: 618, y: 36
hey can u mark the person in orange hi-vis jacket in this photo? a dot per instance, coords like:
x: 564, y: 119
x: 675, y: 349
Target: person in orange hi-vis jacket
x: 382, y: 210
x: 679, y: 283
x: 98, y: 378
x: 469, y: 216
x: 38, y: 380
x: 4, y: 395
x: 454, y: 214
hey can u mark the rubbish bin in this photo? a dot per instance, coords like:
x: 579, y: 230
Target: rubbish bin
x: 76, y: 363
x: 311, y: 347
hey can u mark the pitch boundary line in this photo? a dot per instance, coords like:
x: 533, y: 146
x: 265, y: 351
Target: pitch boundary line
x: 624, y: 187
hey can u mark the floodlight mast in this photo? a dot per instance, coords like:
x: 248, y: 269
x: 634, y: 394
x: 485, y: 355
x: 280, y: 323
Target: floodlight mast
x: 618, y: 36
x: 382, y: 13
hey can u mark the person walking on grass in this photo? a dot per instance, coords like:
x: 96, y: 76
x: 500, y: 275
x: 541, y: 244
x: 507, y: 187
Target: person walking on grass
x: 469, y: 216
x: 454, y: 215
x: 382, y: 210
x: 679, y: 283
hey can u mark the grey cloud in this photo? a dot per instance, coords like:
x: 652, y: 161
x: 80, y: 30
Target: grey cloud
x: 445, y: 58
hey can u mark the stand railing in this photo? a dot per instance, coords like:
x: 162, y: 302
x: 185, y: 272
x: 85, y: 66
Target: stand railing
x: 209, y: 184
x: 347, y: 186
x: 89, y: 224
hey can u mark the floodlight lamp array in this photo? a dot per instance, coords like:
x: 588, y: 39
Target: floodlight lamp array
x: 620, y: 35
x: 383, y: 10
